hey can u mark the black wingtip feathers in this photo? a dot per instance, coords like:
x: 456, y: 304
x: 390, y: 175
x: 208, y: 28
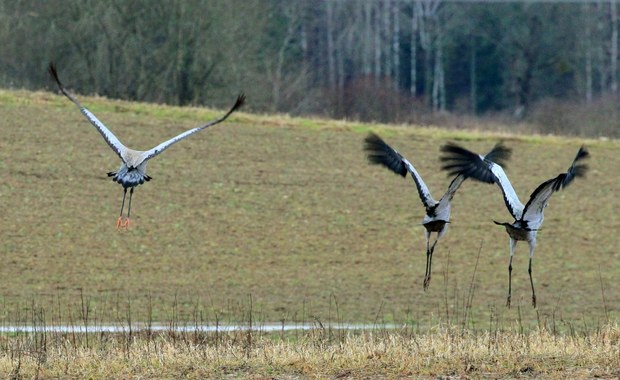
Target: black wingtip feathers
x: 582, y: 153
x: 577, y: 169
x: 380, y: 153
x: 51, y: 69
x: 239, y: 103
x: 500, y: 154
x: 460, y: 161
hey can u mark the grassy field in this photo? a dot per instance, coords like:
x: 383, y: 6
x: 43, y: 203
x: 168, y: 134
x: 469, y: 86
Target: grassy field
x: 283, y: 218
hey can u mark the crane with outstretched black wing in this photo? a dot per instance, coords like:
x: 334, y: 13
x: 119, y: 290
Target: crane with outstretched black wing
x: 527, y: 219
x: 437, y: 216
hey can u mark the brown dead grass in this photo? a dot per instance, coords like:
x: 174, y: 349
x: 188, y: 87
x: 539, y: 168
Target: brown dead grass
x: 441, y: 353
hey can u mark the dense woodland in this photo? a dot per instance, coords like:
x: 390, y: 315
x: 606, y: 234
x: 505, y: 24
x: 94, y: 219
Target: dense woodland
x: 551, y: 63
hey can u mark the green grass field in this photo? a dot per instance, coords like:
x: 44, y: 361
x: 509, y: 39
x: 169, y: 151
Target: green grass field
x: 285, y: 214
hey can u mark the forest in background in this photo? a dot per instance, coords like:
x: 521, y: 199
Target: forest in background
x: 551, y: 64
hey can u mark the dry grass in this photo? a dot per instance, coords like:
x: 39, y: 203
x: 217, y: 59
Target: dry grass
x: 442, y: 353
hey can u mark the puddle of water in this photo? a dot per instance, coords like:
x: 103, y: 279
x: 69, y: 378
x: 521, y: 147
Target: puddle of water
x: 187, y: 328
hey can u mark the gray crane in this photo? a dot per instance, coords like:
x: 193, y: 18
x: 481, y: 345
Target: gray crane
x: 437, y: 214
x: 527, y: 219
x: 132, y: 171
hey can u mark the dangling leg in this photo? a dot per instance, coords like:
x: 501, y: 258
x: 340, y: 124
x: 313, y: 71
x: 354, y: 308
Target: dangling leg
x: 119, y: 222
x: 513, y: 243
x: 126, y: 225
x: 428, y: 257
x: 430, y: 260
x: 529, y: 270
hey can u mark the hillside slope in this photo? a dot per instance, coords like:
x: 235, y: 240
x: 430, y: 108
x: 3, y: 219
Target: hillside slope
x: 286, y: 212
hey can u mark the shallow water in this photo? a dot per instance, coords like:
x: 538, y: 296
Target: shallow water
x: 111, y: 328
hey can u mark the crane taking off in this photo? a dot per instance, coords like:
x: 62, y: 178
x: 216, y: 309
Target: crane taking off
x: 437, y: 214
x: 528, y: 218
x: 132, y: 171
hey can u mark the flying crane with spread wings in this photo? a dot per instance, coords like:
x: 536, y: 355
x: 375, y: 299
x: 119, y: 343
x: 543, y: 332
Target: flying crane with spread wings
x: 132, y: 171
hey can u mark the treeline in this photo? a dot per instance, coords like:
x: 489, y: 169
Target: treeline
x: 390, y: 60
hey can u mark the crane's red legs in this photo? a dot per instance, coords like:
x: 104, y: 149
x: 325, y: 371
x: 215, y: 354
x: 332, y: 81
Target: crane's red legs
x: 129, y: 209
x: 120, y: 223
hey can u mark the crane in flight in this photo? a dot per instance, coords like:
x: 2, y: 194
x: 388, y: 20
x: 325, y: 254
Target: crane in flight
x: 527, y: 219
x: 132, y: 171
x: 437, y: 214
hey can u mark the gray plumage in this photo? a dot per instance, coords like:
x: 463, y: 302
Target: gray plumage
x: 527, y: 219
x: 132, y: 171
x: 437, y: 216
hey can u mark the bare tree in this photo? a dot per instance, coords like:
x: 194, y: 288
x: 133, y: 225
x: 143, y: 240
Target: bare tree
x: 386, y: 32
x: 431, y: 43
x: 587, y: 45
x: 367, y: 43
x: 331, y: 49
x: 601, y: 64
x: 296, y: 53
x: 344, y: 40
x: 439, y: 88
x: 473, y: 76
x: 613, y: 65
x: 377, y: 41
x: 396, y: 43
x: 292, y: 12
x: 414, y: 50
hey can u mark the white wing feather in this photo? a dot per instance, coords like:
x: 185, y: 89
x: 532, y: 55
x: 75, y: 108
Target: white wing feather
x: 115, y: 143
x: 539, y: 199
x: 442, y: 211
x: 165, y: 145
x: 108, y: 136
x: 511, y: 199
x: 147, y: 155
x: 533, y: 212
x: 425, y: 194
